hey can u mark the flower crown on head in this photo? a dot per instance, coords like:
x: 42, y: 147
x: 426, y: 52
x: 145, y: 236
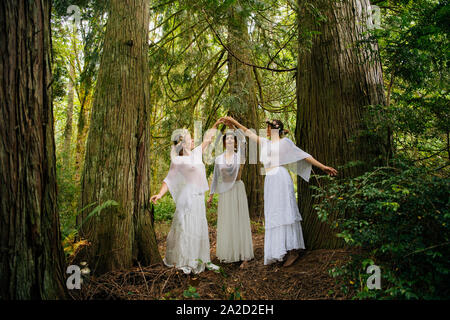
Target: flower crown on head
x: 273, y: 123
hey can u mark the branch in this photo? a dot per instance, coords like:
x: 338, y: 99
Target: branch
x: 240, y: 60
x: 282, y: 47
x: 214, y: 70
x: 161, y: 4
x: 214, y: 103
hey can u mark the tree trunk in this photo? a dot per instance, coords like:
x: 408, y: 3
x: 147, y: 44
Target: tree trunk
x: 116, y: 165
x: 69, y: 114
x: 31, y: 256
x: 335, y: 80
x: 244, y: 108
x: 82, y: 130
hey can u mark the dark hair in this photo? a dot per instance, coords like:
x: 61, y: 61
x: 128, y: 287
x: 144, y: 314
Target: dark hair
x: 277, y: 124
x: 224, y: 138
x: 179, y: 139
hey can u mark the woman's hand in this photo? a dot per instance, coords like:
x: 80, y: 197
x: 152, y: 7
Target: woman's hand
x: 155, y: 198
x: 219, y: 121
x: 331, y: 171
x: 229, y: 121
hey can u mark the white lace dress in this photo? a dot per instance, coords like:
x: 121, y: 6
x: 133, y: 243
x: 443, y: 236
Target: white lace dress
x: 187, y: 246
x: 283, y: 231
x: 282, y: 217
x: 234, y: 234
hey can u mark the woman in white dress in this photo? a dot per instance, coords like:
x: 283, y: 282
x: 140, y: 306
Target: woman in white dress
x: 283, y: 234
x: 187, y: 245
x: 234, y: 235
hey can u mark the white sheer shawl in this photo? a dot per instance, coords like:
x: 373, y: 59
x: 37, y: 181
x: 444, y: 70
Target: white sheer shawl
x: 284, y: 153
x: 187, y: 175
x: 225, y: 173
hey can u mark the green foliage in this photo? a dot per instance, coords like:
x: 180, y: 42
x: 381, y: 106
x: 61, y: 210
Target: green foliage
x: 165, y: 209
x: 233, y: 293
x: 414, y: 49
x: 398, y: 218
x: 191, y: 293
x: 68, y: 191
x: 211, y: 212
x: 69, y: 231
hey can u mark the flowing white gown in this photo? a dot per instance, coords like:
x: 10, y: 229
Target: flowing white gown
x: 234, y: 235
x: 283, y: 231
x: 187, y: 245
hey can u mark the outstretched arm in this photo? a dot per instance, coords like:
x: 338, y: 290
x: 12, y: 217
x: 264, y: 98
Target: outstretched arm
x: 232, y: 122
x: 161, y: 193
x: 331, y: 171
x: 210, y: 134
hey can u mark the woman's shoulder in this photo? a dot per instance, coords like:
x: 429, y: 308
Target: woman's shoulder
x: 286, y: 139
x: 218, y: 158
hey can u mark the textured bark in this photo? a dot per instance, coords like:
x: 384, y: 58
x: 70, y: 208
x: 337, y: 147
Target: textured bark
x: 117, y: 164
x: 242, y: 87
x: 31, y: 256
x: 82, y: 130
x: 335, y: 80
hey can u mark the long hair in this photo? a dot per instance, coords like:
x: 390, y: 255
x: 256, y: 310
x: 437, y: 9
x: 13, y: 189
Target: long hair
x: 178, y: 137
x: 224, y: 138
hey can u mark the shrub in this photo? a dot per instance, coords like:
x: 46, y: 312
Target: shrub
x: 398, y: 218
x: 165, y: 209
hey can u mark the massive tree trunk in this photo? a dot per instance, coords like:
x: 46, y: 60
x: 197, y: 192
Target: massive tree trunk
x: 116, y: 165
x: 242, y: 88
x: 336, y: 78
x: 31, y: 256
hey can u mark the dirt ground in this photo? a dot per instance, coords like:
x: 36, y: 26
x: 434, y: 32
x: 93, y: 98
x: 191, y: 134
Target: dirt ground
x: 307, y: 278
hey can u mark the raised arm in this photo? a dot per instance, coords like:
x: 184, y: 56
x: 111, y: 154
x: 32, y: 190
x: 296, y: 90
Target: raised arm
x: 232, y: 122
x: 210, y: 134
x: 331, y: 171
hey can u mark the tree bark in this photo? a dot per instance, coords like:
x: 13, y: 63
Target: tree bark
x: 31, y: 255
x: 336, y: 78
x: 116, y: 165
x: 242, y: 89
x: 82, y: 131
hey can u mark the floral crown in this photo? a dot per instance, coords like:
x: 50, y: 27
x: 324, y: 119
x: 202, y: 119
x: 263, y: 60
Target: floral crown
x: 273, y: 123
x: 276, y: 124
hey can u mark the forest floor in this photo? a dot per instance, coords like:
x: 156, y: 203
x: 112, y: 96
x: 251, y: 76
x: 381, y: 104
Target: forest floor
x: 307, y: 278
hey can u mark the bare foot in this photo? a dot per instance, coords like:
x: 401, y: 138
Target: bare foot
x: 243, y: 264
x: 292, y: 256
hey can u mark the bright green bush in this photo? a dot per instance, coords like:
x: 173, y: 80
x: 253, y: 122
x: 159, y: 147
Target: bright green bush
x: 165, y: 209
x: 398, y: 218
